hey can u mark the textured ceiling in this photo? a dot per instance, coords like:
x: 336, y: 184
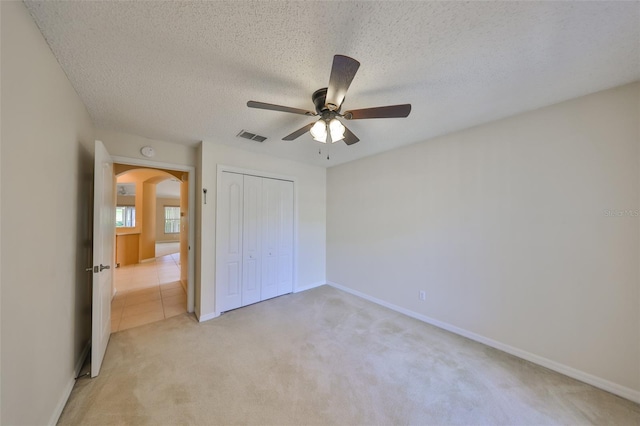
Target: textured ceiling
x: 183, y: 71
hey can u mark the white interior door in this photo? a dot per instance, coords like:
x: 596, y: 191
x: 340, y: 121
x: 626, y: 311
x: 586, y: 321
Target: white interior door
x: 229, y: 242
x: 270, y: 233
x: 285, y: 238
x: 251, y: 269
x: 103, y: 255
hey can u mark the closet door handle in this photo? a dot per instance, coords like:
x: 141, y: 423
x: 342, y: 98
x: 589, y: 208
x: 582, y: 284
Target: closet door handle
x: 104, y: 267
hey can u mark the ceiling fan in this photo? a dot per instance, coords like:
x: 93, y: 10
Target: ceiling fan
x: 328, y: 102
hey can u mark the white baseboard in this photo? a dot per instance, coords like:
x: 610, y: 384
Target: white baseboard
x: 83, y: 357
x: 66, y: 392
x: 62, y: 402
x: 309, y: 287
x: 598, y: 382
x: 207, y: 317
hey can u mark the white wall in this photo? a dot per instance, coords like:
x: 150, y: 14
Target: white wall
x: 310, y: 195
x: 47, y: 171
x: 126, y: 145
x: 505, y: 227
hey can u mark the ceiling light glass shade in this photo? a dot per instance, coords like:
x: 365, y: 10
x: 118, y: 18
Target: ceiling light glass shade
x: 337, y: 130
x: 319, y: 131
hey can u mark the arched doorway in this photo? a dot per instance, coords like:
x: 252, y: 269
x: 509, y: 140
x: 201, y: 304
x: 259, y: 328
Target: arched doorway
x: 150, y: 280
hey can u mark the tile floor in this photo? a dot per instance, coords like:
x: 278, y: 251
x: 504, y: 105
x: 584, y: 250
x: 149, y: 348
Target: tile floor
x: 147, y: 292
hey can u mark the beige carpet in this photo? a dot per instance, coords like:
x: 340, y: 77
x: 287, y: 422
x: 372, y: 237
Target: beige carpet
x: 325, y: 357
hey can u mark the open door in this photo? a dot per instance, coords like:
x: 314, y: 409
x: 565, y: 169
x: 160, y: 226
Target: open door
x: 103, y: 255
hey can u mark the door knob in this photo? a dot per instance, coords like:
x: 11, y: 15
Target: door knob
x: 104, y: 267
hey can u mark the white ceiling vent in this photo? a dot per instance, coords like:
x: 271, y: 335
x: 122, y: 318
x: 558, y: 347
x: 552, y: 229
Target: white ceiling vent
x: 252, y: 136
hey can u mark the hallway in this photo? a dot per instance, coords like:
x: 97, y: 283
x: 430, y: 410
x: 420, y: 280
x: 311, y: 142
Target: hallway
x: 147, y: 292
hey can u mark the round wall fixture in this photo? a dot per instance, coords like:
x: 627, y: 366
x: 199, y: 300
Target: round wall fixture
x: 148, y: 151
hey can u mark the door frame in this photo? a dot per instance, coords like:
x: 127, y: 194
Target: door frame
x: 258, y: 173
x: 191, y: 207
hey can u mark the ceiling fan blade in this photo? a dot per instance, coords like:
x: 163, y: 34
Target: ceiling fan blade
x: 298, y: 132
x: 349, y: 137
x: 272, y: 107
x: 391, y: 111
x: 342, y: 73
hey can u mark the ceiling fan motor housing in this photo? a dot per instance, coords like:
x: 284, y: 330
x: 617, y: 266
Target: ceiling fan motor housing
x: 319, y: 100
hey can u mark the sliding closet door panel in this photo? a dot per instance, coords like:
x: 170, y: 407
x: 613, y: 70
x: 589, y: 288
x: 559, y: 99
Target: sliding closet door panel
x: 229, y: 256
x: 251, y: 269
x: 270, y: 234
x: 285, y: 237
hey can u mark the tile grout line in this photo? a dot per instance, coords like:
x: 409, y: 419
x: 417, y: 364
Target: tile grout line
x: 131, y: 292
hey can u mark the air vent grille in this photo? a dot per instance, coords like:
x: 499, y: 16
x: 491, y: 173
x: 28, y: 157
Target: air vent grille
x: 251, y: 136
x: 246, y: 135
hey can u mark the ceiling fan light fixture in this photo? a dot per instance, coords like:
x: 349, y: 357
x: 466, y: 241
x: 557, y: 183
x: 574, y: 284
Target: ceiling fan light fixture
x: 337, y: 130
x: 319, y: 131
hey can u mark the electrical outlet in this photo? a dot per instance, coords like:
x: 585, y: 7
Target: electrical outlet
x: 423, y: 295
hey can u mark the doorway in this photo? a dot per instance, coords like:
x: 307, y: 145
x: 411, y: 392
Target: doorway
x: 152, y: 245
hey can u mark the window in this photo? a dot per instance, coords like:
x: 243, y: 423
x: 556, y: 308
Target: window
x: 171, y: 220
x: 125, y: 216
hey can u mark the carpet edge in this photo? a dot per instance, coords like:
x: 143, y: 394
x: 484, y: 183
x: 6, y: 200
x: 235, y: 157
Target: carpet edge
x: 582, y: 376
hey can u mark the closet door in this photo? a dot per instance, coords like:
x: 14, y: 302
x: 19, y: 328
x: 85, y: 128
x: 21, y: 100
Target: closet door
x: 229, y: 247
x: 251, y: 265
x: 285, y: 238
x: 270, y: 234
